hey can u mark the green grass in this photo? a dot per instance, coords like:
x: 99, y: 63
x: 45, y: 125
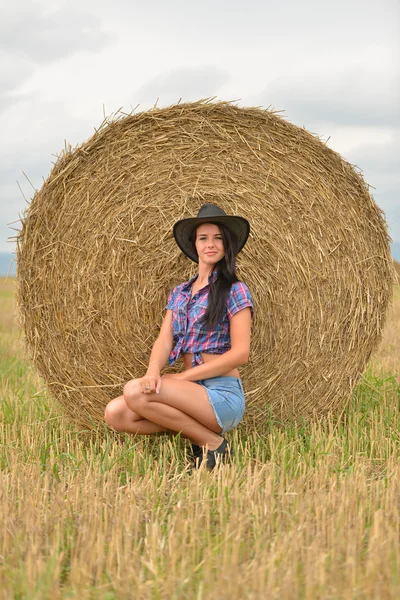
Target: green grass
x: 375, y: 400
x: 308, y: 510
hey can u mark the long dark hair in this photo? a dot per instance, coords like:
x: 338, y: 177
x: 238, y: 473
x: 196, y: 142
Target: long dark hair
x: 220, y: 288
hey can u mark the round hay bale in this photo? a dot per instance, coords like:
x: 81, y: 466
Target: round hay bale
x: 97, y: 259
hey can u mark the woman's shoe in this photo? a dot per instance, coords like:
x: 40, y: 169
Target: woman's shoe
x: 220, y: 455
x: 197, y: 454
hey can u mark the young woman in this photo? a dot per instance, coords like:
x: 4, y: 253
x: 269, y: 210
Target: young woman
x: 208, y: 318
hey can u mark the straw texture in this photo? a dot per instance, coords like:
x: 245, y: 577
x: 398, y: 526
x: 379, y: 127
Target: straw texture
x: 97, y: 259
x: 397, y: 268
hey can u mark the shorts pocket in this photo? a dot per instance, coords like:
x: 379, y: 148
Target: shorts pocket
x: 240, y: 413
x: 237, y: 414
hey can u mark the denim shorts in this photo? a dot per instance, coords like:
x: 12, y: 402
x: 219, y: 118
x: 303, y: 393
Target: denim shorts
x: 226, y: 396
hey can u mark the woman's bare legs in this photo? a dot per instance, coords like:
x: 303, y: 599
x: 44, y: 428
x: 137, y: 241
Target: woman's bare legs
x: 182, y: 406
x: 123, y: 419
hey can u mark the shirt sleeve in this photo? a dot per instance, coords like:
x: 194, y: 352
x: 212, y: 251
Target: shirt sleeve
x: 239, y: 298
x: 171, y: 299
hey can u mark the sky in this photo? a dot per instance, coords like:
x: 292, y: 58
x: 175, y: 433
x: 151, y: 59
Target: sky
x: 332, y: 67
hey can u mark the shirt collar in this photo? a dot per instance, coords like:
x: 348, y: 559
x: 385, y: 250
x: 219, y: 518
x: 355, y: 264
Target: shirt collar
x: 212, y: 277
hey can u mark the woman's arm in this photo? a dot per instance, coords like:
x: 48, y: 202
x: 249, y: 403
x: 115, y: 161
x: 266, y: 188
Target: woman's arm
x: 239, y: 329
x: 213, y: 368
x: 162, y: 346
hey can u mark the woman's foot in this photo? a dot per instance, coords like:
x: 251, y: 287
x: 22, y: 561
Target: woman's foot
x: 221, y: 454
x: 197, y: 455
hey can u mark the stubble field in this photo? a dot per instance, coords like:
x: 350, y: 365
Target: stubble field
x: 305, y: 511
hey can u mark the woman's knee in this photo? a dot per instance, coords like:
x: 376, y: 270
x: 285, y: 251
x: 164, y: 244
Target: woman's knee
x: 119, y: 416
x: 131, y: 389
x: 133, y: 394
x: 115, y: 413
x: 111, y: 413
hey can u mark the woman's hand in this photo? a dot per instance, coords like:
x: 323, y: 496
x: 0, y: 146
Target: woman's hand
x: 151, y: 382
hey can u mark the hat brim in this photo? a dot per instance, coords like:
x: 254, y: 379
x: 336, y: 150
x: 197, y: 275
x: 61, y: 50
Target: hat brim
x: 184, y: 227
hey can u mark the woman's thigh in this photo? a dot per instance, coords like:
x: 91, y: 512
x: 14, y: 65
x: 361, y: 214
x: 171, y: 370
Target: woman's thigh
x: 187, y: 396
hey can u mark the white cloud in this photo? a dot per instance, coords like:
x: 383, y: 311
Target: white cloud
x: 33, y: 34
x: 193, y: 83
x: 44, y: 33
x: 332, y: 67
x: 355, y: 93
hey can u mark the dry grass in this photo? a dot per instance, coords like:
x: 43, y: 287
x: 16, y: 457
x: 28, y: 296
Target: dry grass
x: 306, y: 511
x: 96, y: 255
x: 397, y: 267
x: 252, y: 531
x: 386, y: 359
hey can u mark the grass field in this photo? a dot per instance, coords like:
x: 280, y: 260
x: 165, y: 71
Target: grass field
x: 306, y: 511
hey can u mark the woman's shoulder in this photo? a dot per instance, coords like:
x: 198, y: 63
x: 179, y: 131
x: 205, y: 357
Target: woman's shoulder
x: 179, y: 286
x: 239, y: 297
x: 174, y: 296
x: 239, y: 287
x: 175, y: 293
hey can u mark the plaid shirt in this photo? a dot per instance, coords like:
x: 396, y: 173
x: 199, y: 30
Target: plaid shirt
x: 194, y: 337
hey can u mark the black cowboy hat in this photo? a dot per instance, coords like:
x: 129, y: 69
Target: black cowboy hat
x: 209, y: 213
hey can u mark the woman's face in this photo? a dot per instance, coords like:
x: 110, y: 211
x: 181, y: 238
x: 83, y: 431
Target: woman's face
x: 209, y: 244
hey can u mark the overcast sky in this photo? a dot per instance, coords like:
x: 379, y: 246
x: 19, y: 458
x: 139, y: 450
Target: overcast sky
x: 332, y: 66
